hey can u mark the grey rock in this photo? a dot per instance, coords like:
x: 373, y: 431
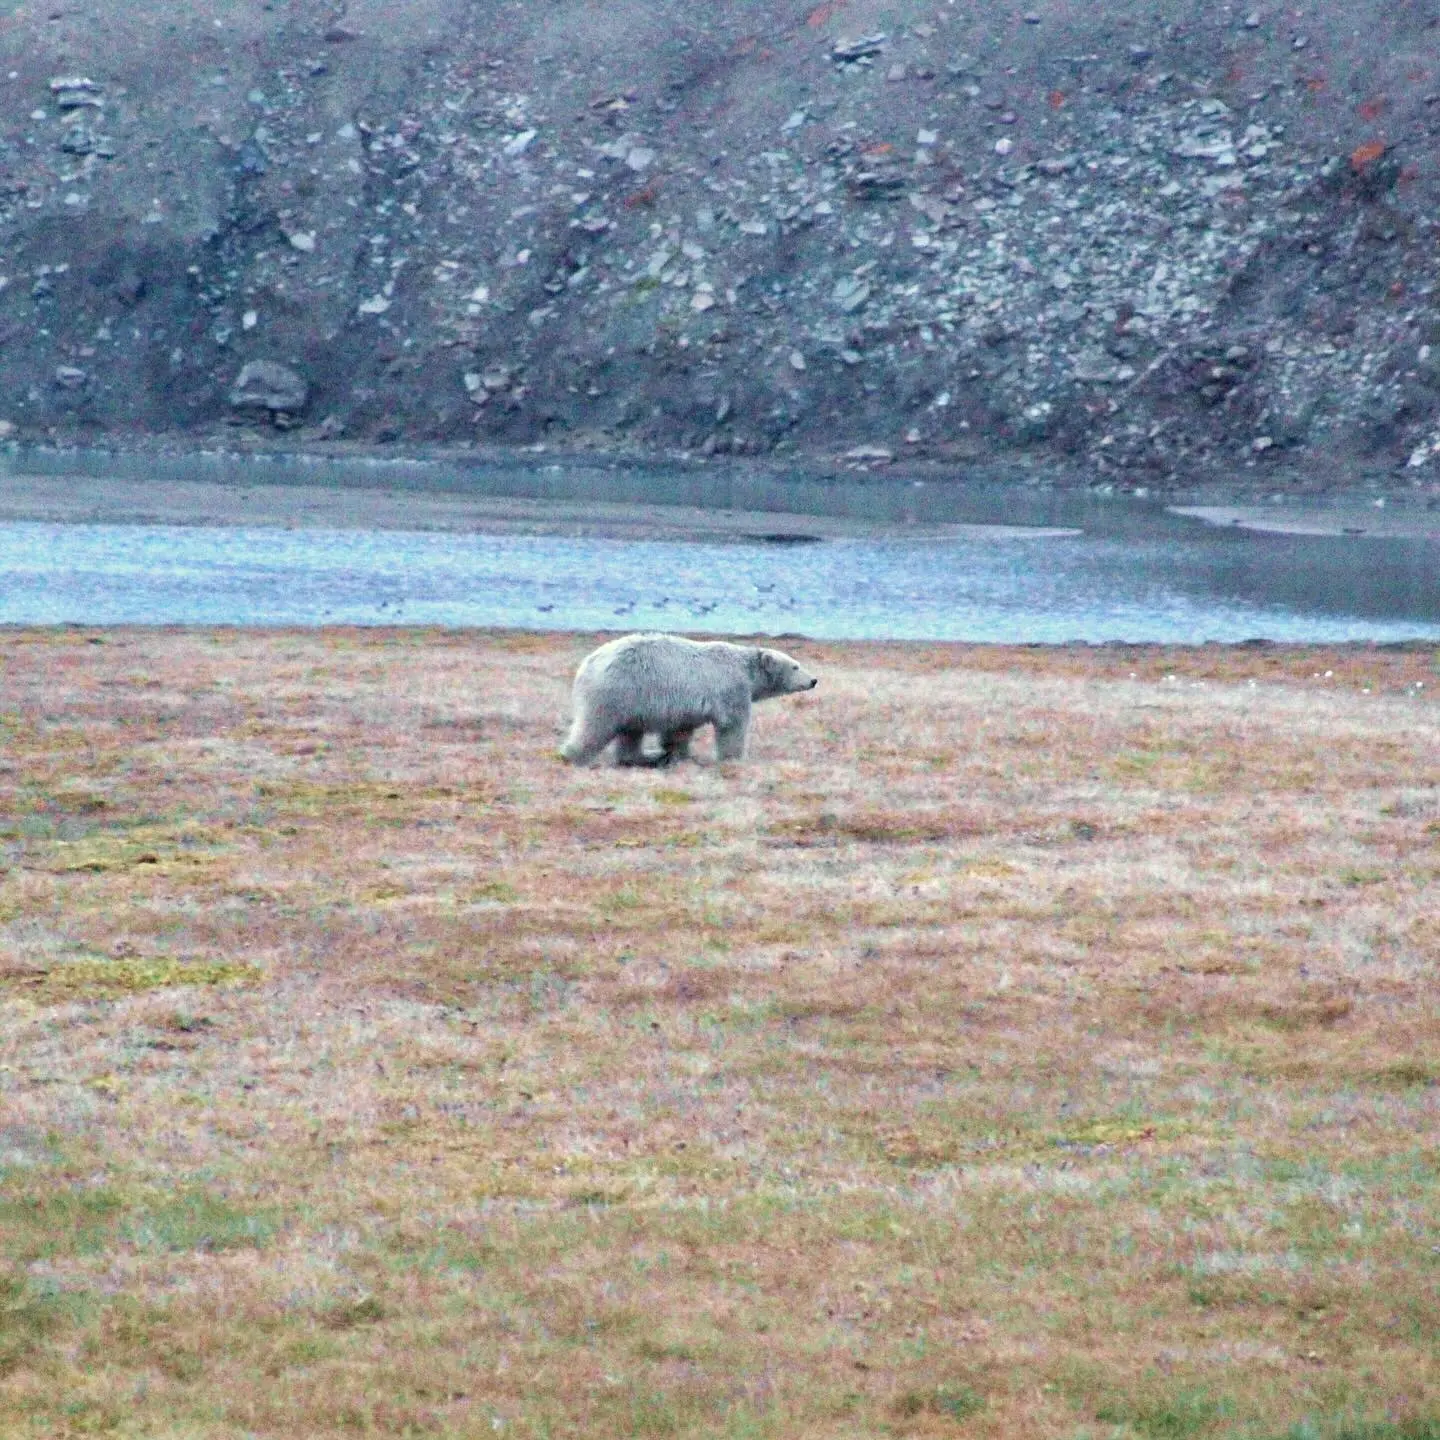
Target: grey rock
x: 76, y: 92
x: 269, y: 385
x: 847, y: 52
x: 71, y: 377
x: 877, y: 184
x: 1094, y: 367
x: 79, y: 140
x: 850, y: 293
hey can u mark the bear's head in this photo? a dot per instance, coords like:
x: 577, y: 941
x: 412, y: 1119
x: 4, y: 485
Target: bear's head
x: 773, y: 672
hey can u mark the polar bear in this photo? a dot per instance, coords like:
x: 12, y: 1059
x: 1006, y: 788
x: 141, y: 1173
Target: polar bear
x: 669, y: 686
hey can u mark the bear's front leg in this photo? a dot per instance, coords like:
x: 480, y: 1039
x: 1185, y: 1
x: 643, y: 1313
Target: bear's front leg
x: 730, y: 733
x: 730, y: 741
x: 732, y: 723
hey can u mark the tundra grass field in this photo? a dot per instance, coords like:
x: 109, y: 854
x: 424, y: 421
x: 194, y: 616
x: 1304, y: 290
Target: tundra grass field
x: 1024, y: 1042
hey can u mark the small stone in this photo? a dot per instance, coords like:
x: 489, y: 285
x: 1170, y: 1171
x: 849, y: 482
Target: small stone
x: 1004, y: 145
x: 753, y: 227
x: 70, y: 377
x: 1261, y: 443
x: 797, y: 360
x: 851, y: 357
x: 640, y: 158
x: 302, y: 240
x: 269, y: 385
x: 850, y: 294
x: 1252, y: 20
x: 375, y: 305
x: 249, y: 320
x: 877, y: 184
x: 936, y: 211
x: 702, y: 300
x: 655, y: 266
x: 518, y: 144
x: 8, y: 430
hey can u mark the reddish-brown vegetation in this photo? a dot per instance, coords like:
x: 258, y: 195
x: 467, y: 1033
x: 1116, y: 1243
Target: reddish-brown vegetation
x: 1039, y: 1042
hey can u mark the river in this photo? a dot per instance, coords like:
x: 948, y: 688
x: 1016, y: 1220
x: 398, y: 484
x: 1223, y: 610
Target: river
x: 1060, y: 570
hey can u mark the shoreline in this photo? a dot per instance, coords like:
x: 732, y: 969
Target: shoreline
x: 81, y: 500
x: 425, y: 492
x: 1190, y: 657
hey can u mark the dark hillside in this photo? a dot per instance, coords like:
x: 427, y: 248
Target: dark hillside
x: 1140, y: 244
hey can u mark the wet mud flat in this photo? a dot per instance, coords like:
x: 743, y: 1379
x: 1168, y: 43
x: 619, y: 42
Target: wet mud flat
x: 541, y: 490
x: 85, y: 499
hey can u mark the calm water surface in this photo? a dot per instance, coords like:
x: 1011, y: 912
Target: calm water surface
x: 1182, y: 584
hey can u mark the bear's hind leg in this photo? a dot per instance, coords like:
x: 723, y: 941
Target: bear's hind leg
x: 584, y: 743
x: 675, y: 746
x: 628, y: 751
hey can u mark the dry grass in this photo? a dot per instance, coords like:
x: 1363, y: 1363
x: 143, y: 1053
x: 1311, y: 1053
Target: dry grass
x: 1027, y: 1042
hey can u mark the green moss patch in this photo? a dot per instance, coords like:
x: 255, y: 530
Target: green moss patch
x: 94, y: 977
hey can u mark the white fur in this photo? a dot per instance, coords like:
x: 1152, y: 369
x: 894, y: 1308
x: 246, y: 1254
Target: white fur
x: 669, y: 686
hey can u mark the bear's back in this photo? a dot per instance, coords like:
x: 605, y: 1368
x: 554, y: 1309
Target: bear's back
x: 664, y: 667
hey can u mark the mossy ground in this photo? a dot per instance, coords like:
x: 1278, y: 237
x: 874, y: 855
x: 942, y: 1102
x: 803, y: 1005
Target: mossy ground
x: 1025, y: 1042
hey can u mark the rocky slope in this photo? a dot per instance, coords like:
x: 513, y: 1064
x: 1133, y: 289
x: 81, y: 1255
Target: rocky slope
x: 1139, y: 244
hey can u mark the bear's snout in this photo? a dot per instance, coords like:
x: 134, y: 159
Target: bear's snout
x: 813, y: 683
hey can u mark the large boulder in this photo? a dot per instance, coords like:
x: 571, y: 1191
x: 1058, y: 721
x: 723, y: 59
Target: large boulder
x: 269, y: 385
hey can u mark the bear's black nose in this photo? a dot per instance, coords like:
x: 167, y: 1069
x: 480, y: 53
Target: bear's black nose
x: 813, y: 684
